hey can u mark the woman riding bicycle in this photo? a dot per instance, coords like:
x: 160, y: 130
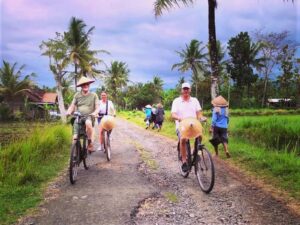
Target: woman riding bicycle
x: 183, y: 107
x: 86, y: 103
x: 106, y: 107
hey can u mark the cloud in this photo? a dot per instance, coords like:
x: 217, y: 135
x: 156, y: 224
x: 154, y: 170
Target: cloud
x: 130, y: 32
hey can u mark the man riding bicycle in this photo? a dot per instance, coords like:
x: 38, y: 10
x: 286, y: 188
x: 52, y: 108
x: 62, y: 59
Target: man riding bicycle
x: 87, y: 103
x: 183, y: 107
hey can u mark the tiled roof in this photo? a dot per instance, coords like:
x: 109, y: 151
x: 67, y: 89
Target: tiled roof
x: 49, y: 97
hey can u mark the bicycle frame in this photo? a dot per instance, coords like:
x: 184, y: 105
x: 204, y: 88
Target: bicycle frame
x: 81, y: 135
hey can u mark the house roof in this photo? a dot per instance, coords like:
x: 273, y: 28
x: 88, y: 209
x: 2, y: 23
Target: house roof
x: 38, y: 96
x: 49, y: 97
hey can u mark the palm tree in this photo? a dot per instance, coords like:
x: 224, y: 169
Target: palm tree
x: 78, y: 41
x: 193, y: 58
x: 56, y: 49
x: 12, y: 86
x: 117, y: 78
x: 158, y: 87
x: 160, y: 5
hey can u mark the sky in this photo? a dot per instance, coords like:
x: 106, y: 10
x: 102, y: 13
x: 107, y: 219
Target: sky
x: 131, y: 33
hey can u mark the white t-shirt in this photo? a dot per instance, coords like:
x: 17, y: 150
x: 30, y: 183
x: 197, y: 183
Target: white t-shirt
x: 102, y: 107
x: 185, y: 109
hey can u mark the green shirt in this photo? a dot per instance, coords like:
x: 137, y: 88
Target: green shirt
x: 85, y: 104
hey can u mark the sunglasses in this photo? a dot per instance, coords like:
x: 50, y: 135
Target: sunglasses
x: 185, y: 88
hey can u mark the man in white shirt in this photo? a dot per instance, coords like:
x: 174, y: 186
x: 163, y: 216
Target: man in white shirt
x: 183, y: 107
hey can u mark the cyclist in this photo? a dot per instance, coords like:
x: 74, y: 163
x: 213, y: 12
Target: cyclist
x: 106, y: 107
x: 87, y: 103
x: 183, y: 107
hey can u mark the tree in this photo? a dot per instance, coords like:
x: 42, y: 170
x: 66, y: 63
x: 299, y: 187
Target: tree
x: 80, y: 53
x: 271, y: 49
x: 158, y: 87
x: 160, y: 5
x: 12, y: 85
x: 180, y: 81
x: 193, y: 58
x: 116, y: 79
x: 290, y: 72
x: 56, y: 49
x: 244, y: 59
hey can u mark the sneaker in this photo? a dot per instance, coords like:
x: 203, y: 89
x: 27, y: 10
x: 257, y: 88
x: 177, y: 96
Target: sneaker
x: 99, y: 148
x: 185, y: 167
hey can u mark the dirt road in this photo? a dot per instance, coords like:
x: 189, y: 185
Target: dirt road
x: 149, y: 190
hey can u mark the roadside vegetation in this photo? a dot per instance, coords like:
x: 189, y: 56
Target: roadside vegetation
x: 265, y: 146
x: 27, y: 164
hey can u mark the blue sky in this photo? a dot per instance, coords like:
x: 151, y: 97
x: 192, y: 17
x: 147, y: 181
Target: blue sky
x: 130, y: 32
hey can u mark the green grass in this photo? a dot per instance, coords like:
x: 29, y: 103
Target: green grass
x: 172, y: 197
x: 27, y: 165
x: 278, y: 167
x: 146, y: 157
x: 272, y: 132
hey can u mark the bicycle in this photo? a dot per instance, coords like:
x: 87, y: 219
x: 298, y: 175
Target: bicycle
x: 78, y: 148
x: 202, y: 161
x: 106, y: 143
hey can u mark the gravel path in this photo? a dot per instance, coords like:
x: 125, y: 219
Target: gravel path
x: 149, y: 190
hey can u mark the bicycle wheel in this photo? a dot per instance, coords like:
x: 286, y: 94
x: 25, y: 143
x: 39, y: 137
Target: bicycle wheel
x: 84, y: 154
x: 205, y: 171
x: 74, y: 163
x: 107, y: 145
x: 184, y: 174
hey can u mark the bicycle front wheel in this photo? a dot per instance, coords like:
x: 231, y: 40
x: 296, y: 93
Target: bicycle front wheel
x: 74, y: 163
x: 205, y: 170
x: 107, y: 146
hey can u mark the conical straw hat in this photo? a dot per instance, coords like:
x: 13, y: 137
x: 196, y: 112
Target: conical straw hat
x: 219, y: 102
x: 190, y: 128
x: 84, y: 80
x: 108, y: 122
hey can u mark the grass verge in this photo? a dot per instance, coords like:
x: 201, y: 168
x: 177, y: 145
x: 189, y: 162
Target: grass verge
x: 26, y: 166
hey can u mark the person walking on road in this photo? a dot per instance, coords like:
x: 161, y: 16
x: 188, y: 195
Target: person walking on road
x: 148, y: 112
x: 159, y: 116
x: 219, y: 125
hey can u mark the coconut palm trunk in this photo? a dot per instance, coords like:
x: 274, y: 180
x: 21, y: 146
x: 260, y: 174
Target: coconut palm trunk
x: 60, y: 99
x: 213, y: 52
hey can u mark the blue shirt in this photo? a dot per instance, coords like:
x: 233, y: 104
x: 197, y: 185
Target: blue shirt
x: 148, y: 112
x: 220, y: 119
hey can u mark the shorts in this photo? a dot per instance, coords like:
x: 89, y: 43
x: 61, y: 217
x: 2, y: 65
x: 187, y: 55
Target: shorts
x: 159, y: 123
x: 220, y: 135
x: 82, y: 123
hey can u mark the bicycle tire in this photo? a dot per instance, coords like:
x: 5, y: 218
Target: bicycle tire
x: 85, y: 155
x: 74, y: 163
x: 184, y: 174
x: 107, y: 146
x: 205, y: 170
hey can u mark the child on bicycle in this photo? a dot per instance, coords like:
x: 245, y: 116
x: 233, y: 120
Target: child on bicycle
x: 220, y: 120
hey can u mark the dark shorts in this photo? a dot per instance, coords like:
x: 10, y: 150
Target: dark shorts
x: 159, y: 123
x: 220, y: 135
